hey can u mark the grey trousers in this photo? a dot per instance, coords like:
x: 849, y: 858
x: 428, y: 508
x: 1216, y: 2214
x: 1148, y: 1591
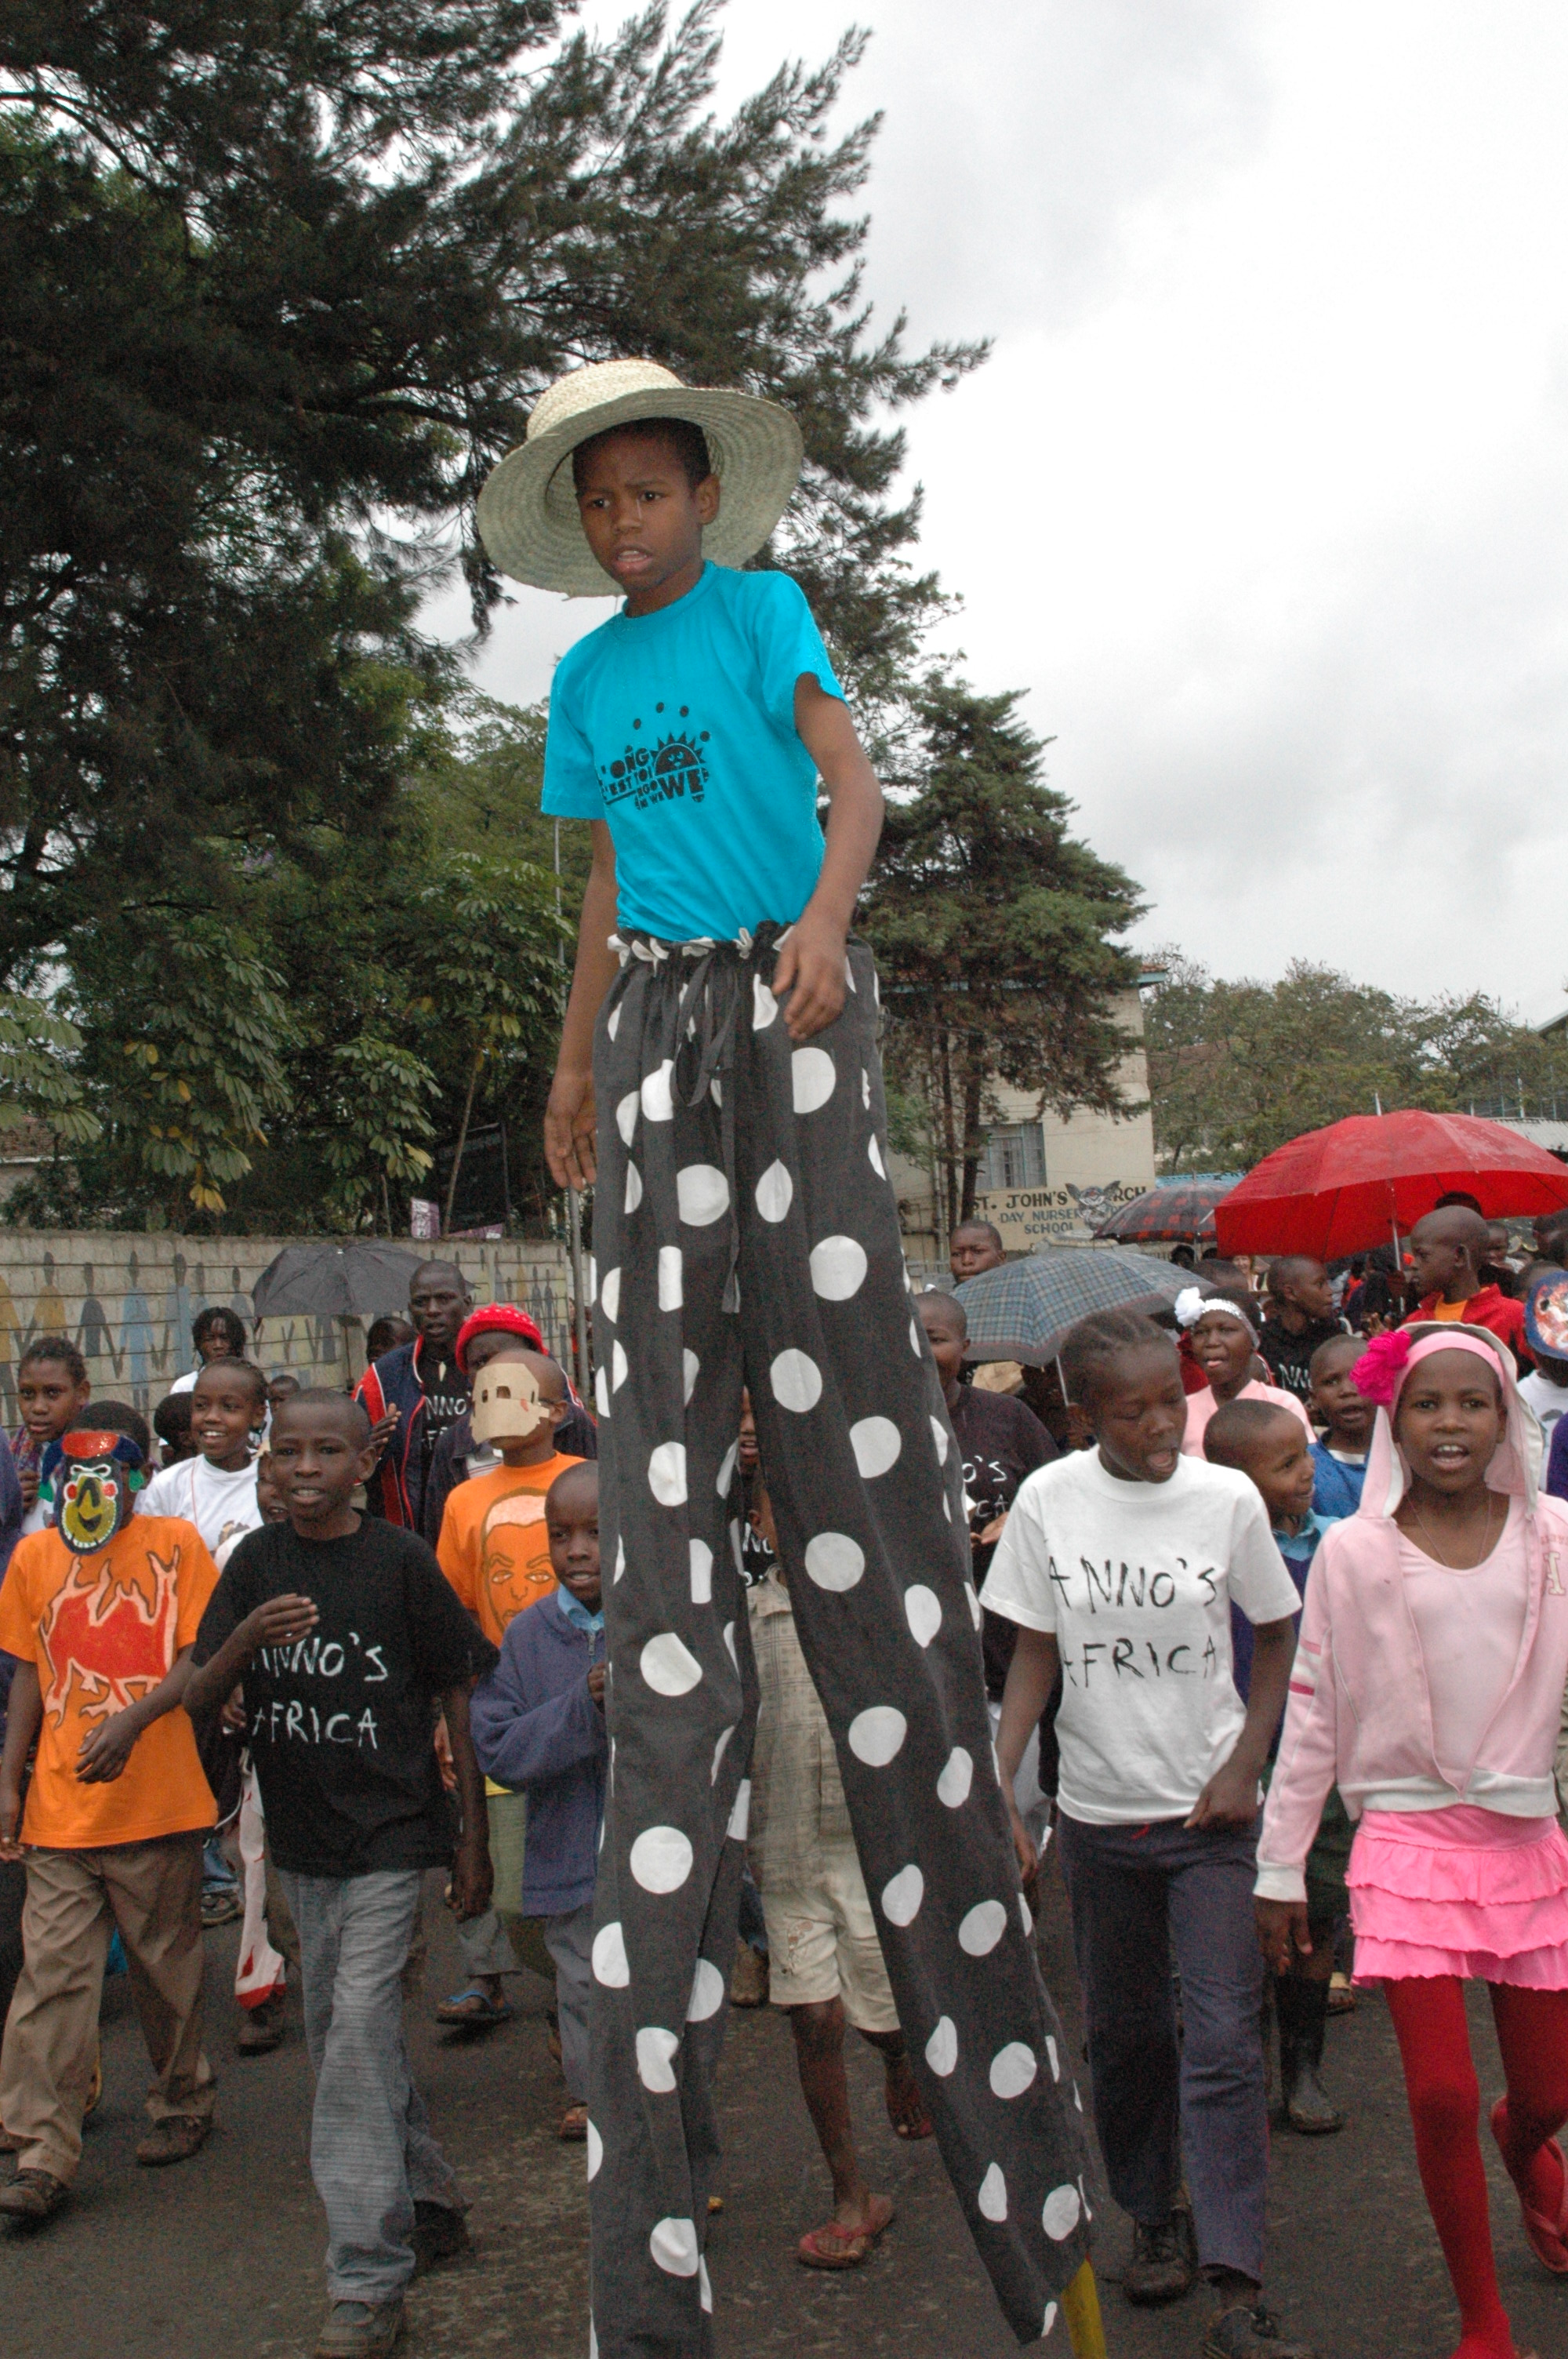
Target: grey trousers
x: 1144, y: 1898
x: 372, y: 2154
x: 746, y: 1231
x: 569, y: 1940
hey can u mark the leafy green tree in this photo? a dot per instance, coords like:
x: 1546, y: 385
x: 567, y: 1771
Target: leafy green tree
x: 994, y: 928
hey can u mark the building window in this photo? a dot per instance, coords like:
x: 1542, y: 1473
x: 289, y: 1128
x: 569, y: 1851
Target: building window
x: 1014, y: 1157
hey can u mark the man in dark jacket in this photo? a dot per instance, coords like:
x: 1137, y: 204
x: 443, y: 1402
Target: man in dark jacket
x: 413, y: 1394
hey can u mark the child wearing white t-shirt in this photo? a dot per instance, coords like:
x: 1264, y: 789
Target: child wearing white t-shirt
x: 1121, y: 1563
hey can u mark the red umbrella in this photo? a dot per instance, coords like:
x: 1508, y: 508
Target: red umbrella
x: 1342, y: 1189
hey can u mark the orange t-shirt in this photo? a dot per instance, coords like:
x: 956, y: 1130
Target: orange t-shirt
x: 493, y: 1548
x: 103, y: 1631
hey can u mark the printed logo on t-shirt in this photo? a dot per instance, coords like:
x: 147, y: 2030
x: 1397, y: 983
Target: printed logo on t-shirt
x: 658, y: 771
x: 293, y: 1720
x: 1125, y: 1590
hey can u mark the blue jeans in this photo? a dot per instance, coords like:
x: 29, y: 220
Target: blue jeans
x: 1142, y: 1898
x: 372, y: 2154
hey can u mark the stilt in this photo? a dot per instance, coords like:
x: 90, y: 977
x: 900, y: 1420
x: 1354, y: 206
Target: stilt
x: 1080, y: 2305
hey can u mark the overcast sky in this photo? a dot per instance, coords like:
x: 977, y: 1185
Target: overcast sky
x: 1263, y: 495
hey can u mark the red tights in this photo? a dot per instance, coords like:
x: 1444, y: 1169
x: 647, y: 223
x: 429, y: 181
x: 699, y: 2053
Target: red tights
x: 1444, y: 2103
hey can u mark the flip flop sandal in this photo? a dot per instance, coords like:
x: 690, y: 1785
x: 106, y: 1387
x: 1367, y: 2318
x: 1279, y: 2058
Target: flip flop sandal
x: 471, y: 2009
x: 1341, y: 1997
x: 1548, y: 2237
x: 836, y: 2247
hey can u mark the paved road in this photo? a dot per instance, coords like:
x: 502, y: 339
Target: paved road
x: 222, y: 2257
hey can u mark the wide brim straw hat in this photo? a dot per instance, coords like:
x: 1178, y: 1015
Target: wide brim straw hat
x: 529, y: 515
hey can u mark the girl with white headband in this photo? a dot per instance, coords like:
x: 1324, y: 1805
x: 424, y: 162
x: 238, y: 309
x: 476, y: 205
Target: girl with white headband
x: 1225, y: 1345
x: 1428, y: 1685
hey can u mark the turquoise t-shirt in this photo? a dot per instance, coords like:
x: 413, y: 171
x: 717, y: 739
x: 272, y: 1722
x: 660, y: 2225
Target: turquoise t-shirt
x: 678, y: 728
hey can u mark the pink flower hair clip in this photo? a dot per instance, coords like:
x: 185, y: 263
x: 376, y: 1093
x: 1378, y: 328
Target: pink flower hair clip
x: 1376, y: 1374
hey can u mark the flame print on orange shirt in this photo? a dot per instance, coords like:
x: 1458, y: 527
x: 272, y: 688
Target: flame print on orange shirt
x: 108, y: 1635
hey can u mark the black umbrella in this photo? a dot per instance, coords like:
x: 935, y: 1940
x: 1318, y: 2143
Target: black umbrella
x: 327, y: 1281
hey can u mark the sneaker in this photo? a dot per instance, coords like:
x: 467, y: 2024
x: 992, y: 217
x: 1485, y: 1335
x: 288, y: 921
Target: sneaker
x: 220, y: 1905
x: 361, y: 2330
x: 1164, y: 2260
x: 1250, y: 2331
x: 260, y: 2029
x: 32, y: 2195
x: 440, y: 2234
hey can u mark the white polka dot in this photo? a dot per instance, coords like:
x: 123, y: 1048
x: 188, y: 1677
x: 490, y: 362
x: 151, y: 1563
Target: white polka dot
x: 620, y: 1560
x: 1012, y: 2070
x: 656, y: 2066
x: 702, y: 1195
x: 940, y: 1436
x: 1087, y: 2212
x: 838, y: 1269
x: 595, y: 2143
x: 736, y: 1549
x: 915, y: 1337
x: 876, y: 1443
x: 626, y: 1117
x: 593, y: 2341
x: 942, y: 2048
x: 993, y: 2197
x: 982, y: 1928
x: 727, y: 1469
x: 834, y: 1561
x: 666, y: 1474
x: 811, y: 1077
x: 706, y: 1992
x: 875, y: 1154
x: 1027, y: 1920
x: 670, y: 1293
x: 609, y: 1953
x: 1060, y: 2216
x: 661, y: 1859
x: 658, y: 1102
x: 876, y: 1735
x: 865, y: 1089
x: 977, y: 1615
x: 729, y: 1642
x: 741, y: 1816
x: 1050, y: 2318
x: 957, y: 1777
x: 718, y: 1751
x: 669, y: 1668
x: 602, y: 1391
x: 690, y: 1365
x: 851, y: 984
x: 922, y: 1612
x: 797, y: 1381
x: 618, y: 1365
x: 633, y: 1187
x: 1076, y: 2099
x: 701, y: 1573
x: 704, y: 2286
x: 948, y: 1506
x: 764, y: 1007
x: 1051, y: 2058
x: 673, y: 2244
x: 775, y: 1192
x: 901, y: 1896
x: 610, y: 1293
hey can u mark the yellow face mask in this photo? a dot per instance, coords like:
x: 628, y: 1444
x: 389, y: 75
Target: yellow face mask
x: 507, y: 1403
x: 95, y: 1488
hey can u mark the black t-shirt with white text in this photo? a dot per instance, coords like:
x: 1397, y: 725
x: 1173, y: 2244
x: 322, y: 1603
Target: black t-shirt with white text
x: 1001, y: 1440
x: 340, y: 1724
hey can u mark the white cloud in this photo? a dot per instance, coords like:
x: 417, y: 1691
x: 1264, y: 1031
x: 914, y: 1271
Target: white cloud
x: 1263, y: 492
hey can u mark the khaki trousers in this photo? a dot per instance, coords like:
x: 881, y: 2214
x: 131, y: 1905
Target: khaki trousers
x: 152, y: 1891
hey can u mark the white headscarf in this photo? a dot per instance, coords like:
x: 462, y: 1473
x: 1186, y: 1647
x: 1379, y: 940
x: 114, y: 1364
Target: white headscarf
x: 1191, y: 1306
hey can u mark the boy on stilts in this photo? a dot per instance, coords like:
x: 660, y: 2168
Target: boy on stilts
x: 721, y: 1040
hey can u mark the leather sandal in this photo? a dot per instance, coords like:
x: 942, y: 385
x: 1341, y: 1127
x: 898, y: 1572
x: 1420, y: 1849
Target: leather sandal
x: 174, y: 2140
x: 1548, y: 2237
x: 33, y: 2195
x: 834, y: 2247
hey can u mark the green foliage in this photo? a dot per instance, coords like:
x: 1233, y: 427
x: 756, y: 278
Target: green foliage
x: 993, y: 926
x: 1236, y: 1068
x: 37, y: 1080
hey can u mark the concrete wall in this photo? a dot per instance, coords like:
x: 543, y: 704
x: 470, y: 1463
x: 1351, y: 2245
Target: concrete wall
x: 127, y: 1302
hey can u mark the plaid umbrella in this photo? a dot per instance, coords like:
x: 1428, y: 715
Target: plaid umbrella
x: 1023, y: 1310
x: 1168, y: 1215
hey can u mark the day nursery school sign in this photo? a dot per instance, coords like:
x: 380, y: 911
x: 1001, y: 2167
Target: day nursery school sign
x: 1065, y: 1215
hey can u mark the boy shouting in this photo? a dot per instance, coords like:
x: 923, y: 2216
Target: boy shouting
x: 347, y: 1638
x: 718, y: 1077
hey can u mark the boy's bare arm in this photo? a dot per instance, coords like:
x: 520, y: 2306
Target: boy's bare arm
x: 1230, y: 1798
x: 24, y: 1712
x: 569, y: 1115
x: 472, y: 1875
x: 1030, y: 1675
x: 278, y: 1622
x: 810, y: 970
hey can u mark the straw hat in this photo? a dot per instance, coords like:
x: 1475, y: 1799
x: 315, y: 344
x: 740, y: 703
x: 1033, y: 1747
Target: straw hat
x: 527, y: 511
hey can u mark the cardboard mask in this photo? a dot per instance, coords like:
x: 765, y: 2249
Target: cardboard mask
x: 96, y: 1478
x: 507, y: 1402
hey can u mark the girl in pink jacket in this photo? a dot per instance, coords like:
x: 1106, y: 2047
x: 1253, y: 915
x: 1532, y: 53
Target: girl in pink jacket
x: 1429, y: 1684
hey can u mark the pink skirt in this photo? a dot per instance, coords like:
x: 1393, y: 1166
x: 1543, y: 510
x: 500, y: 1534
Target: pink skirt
x: 1462, y: 1891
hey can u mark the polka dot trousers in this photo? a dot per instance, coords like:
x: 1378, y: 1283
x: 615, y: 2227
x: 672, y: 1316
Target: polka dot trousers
x: 745, y: 1231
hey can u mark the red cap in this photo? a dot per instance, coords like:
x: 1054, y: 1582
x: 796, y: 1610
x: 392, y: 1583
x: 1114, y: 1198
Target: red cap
x: 490, y: 1318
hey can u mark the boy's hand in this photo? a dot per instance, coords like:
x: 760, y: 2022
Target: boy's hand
x: 808, y: 976
x: 443, y: 1761
x: 10, y: 1821
x: 1229, y: 1802
x: 1022, y: 1842
x: 106, y: 1752
x: 232, y: 1716
x: 382, y: 1430
x: 569, y: 1125
x: 473, y: 1878
x: 28, y: 1478
x: 1282, y: 1928
x: 596, y: 1684
x: 280, y: 1623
